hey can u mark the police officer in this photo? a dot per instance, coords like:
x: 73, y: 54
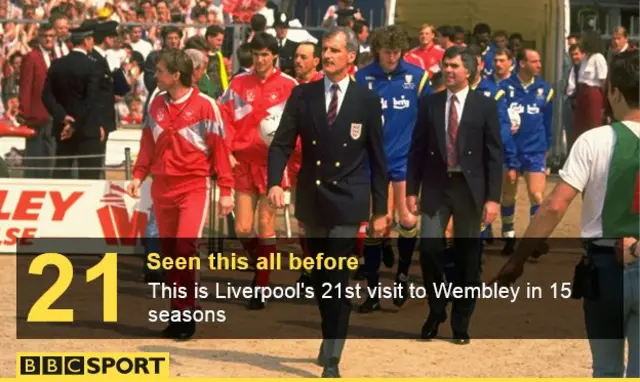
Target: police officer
x: 69, y: 96
x: 340, y: 127
x: 287, y: 48
x: 112, y: 81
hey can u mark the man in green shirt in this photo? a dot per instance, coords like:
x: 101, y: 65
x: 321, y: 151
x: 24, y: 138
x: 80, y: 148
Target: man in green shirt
x: 604, y: 166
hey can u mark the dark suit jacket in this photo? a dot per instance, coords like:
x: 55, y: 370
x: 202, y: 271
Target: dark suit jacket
x: 33, y: 72
x: 286, y: 57
x: 105, y: 98
x: 70, y: 89
x: 480, y: 153
x: 334, y: 186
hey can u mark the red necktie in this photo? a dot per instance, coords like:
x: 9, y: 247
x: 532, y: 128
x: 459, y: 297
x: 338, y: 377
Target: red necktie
x: 333, y: 106
x: 452, y: 133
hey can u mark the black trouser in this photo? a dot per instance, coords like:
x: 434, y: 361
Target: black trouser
x: 43, y: 144
x: 88, y: 167
x: 335, y: 309
x: 459, y: 203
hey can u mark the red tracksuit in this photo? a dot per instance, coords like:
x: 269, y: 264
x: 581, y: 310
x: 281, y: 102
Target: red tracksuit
x: 183, y: 146
x: 430, y: 56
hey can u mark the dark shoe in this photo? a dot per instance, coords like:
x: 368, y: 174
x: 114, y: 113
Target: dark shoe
x: 430, y: 327
x: 321, y: 360
x: 509, y: 246
x: 402, y: 281
x: 542, y: 249
x: 360, y: 273
x: 256, y: 302
x: 461, y: 338
x: 370, y: 305
x: 305, y: 279
x: 180, y: 330
x: 388, y: 256
x: 331, y: 369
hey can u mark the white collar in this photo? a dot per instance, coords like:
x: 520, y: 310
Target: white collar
x: 43, y: 50
x: 99, y: 50
x: 342, y: 84
x: 461, y: 95
x: 181, y: 99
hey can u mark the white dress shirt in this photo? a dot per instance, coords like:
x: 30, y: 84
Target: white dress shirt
x: 46, y: 55
x: 60, y: 48
x: 461, y: 98
x: 343, y: 84
x: 593, y: 70
x: 142, y: 46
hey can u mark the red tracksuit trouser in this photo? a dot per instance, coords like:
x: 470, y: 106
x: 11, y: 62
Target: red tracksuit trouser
x: 181, y: 207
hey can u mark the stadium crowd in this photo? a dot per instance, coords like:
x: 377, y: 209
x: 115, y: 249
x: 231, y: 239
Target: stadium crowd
x: 178, y: 81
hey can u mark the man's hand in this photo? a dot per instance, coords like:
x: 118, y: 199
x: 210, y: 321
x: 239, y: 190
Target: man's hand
x: 624, y: 252
x: 509, y: 272
x: 133, y: 188
x: 226, y: 204
x: 101, y: 134
x: 233, y: 160
x: 66, y: 133
x: 412, y: 204
x: 68, y: 120
x: 378, y: 225
x: 276, y: 197
x: 512, y: 175
x: 490, y: 212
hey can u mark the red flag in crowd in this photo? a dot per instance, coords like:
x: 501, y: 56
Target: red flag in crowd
x: 242, y: 10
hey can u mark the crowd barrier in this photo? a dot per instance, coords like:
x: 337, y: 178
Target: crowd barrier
x: 49, y: 208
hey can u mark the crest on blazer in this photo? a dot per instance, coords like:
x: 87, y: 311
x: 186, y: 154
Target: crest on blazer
x: 540, y: 94
x: 356, y: 130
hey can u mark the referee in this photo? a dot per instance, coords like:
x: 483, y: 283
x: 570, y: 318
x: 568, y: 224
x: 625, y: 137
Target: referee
x: 603, y: 166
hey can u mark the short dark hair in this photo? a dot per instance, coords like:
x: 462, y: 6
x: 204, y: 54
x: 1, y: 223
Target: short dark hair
x: 359, y: 25
x: 197, y: 43
x: 213, y: 30
x: 244, y: 55
x: 458, y: 29
x: 177, y: 61
x: 591, y: 43
x: 468, y: 57
x: 447, y: 31
x: 573, y: 48
x: 45, y: 27
x: 316, y: 48
x: 516, y: 36
x: 623, y: 75
x: 166, y: 31
x: 505, y: 51
x: 437, y: 80
x: 264, y: 40
x: 390, y: 37
x: 344, y: 20
x: 574, y: 35
x: 55, y: 16
x: 481, y: 28
x: 475, y: 50
x: 258, y: 23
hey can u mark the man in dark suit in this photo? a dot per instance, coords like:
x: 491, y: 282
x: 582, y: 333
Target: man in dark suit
x: 343, y: 177
x: 287, y: 48
x: 455, y: 162
x: 110, y: 84
x: 33, y: 72
x: 69, y: 96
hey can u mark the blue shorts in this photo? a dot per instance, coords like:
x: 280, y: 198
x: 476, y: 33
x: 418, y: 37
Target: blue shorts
x: 532, y: 163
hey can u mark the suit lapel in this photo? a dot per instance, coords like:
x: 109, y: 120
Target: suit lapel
x: 439, y: 119
x: 468, y: 104
x: 343, y: 113
x: 318, y: 107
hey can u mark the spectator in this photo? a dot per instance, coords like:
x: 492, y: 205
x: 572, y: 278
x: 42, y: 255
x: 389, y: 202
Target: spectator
x: 591, y: 79
x: 138, y: 43
x: 11, y: 107
x: 205, y: 85
x: 217, y: 68
x: 171, y: 37
x: 134, y: 113
x: 11, y: 76
x: 258, y: 24
x: 245, y: 60
x: 362, y: 31
x: 60, y: 23
x: 619, y: 41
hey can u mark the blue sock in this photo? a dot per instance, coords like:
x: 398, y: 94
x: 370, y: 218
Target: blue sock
x: 372, y: 261
x: 406, y: 245
x: 507, y: 213
x: 533, y: 209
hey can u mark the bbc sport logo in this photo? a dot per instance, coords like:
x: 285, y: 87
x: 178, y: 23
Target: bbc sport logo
x: 93, y: 364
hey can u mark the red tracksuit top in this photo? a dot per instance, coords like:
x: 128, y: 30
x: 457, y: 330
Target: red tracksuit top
x: 245, y: 104
x: 430, y: 56
x: 185, y: 138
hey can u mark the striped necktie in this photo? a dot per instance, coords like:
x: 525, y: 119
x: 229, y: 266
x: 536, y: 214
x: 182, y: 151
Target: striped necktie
x: 333, y: 106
